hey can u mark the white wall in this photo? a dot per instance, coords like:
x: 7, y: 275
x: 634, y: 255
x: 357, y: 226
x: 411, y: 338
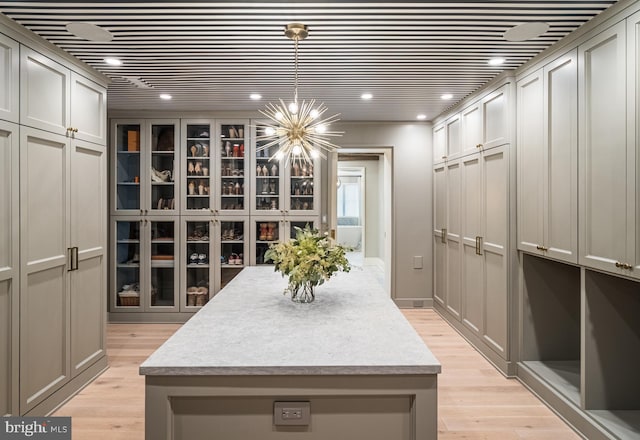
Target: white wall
x: 411, y: 194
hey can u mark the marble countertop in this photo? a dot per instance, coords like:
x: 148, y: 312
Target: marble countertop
x: 251, y: 328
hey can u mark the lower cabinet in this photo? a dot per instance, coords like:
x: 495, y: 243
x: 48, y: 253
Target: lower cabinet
x: 9, y: 262
x: 471, y: 248
x: 62, y: 266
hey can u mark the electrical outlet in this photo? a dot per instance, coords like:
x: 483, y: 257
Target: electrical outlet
x: 417, y: 262
x: 291, y: 413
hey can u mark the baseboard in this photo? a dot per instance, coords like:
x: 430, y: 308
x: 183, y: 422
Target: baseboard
x: 414, y: 303
x: 70, y: 389
x: 507, y: 368
x: 149, y: 318
x: 374, y: 261
x: 560, y: 405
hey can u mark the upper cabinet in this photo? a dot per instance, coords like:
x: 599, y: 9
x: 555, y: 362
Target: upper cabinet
x: 547, y: 160
x: 281, y: 188
x: 9, y: 72
x: 44, y: 92
x: 88, y: 110
x: 55, y: 99
x: 481, y: 125
x: 607, y: 150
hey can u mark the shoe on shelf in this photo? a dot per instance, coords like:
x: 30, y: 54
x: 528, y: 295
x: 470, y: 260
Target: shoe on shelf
x: 202, y: 259
x: 193, y: 259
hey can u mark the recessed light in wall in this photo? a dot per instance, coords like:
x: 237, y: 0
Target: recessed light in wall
x: 421, y: 117
x: 255, y: 96
x: 366, y: 96
x: 526, y: 31
x: 496, y: 61
x: 113, y: 61
x: 165, y: 96
x: 446, y: 96
x: 89, y: 31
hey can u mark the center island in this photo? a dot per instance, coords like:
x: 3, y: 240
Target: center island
x: 252, y: 364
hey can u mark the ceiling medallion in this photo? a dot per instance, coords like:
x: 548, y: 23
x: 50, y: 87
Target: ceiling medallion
x: 299, y: 130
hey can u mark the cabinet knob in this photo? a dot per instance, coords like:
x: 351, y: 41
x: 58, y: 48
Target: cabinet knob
x: 444, y: 157
x: 75, y: 130
x: 479, y: 146
x: 627, y: 266
x: 618, y: 264
x: 69, y: 128
x: 542, y: 248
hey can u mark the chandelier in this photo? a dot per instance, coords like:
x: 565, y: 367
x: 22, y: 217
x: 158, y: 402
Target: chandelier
x: 299, y: 130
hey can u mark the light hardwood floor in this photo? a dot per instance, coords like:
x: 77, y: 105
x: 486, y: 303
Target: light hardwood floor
x: 475, y: 402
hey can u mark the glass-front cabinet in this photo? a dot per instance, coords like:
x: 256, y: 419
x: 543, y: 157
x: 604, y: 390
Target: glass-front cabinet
x: 144, y: 275
x: 198, y: 167
x: 281, y: 188
x: 233, y: 153
x: 145, y: 167
x: 292, y: 224
x: 198, y: 262
x: 265, y: 231
x: 127, y: 138
x: 163, y: 167
x: 232, y: 247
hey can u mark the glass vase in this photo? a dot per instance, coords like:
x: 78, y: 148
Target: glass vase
x: 303, y: 293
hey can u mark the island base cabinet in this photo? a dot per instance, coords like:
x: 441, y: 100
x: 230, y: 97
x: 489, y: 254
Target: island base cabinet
x: 238, y: 408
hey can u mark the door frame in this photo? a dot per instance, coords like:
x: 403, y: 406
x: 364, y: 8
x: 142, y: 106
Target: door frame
x: 388, y: 208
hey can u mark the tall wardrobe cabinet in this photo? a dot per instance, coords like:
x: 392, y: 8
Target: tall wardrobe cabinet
x: 53, y: 216
x: 473, y: 204
x: 547, y: 160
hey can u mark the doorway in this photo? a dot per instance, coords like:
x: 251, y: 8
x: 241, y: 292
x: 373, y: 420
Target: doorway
x: 363, y: 209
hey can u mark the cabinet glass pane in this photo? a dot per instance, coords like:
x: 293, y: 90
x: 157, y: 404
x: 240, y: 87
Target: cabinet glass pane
x: 301, y: 187
x: 162, y: 264
x: 128, y: 166
x: 232, y: 258
x: 162, y: 162
x: 198, y: 166
x: 128, y: 263
x: 267, y: 176
x: 266, y: 234
x: 198, y: 245
x: 301, y: 225
x: 232, y: 159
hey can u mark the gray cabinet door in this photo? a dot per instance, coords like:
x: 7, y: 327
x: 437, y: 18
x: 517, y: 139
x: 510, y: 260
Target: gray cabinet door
x: 604, y: 165
x: 8, y: 269
x: 88, y: 233
x: 88, y: 110
x: 44, y: 242
x: 44, y: 92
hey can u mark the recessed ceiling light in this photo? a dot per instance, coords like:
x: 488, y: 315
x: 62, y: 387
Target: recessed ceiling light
x: 446, y: 96
x: 421, y: 117
x: 165, y: 96
x: 496, y: 61
x: 89, y: 31
x: 113, y: 61
x: 526, y: 31
x: 255, y: 96
x: 366, y: 96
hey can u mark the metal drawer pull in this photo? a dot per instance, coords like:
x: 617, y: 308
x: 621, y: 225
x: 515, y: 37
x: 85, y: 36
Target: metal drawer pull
x: 443, y: 237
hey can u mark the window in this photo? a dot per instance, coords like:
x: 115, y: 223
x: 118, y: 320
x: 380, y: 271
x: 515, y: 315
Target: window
x: 349, y: 201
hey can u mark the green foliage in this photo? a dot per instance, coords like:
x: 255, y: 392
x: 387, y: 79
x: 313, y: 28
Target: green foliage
x: 310, y: 258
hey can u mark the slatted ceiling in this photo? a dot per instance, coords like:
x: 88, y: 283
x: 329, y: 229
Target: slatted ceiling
x: 212, y: 55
